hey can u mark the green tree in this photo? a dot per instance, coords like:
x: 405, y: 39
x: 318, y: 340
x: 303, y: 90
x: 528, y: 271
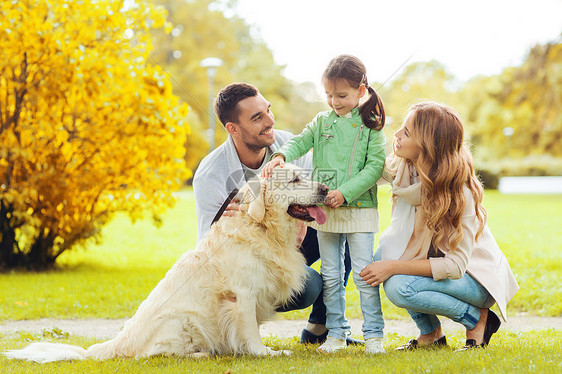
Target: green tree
x: 210, y: 28
x: 419, y: 81
x: 87, y: 126
x: 517, y: 113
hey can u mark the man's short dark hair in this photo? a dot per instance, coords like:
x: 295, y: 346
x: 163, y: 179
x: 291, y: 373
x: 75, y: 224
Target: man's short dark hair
x: 226, y: 103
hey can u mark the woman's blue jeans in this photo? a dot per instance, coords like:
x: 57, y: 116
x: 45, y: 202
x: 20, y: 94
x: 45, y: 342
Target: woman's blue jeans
x: 424, y: 298
x: 332, y: 247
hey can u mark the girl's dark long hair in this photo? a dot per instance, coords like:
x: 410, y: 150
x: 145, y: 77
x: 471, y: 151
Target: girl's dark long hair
x: 351, y: 69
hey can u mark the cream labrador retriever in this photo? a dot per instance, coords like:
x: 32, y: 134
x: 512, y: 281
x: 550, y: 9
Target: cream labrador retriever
x: 214, y: 298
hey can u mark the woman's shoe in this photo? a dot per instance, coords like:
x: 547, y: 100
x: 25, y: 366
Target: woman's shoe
x: 414, y: 344
x: 469, y: 344
x: 492, y: 326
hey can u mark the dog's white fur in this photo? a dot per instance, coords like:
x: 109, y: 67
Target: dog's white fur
x: 214, y: 298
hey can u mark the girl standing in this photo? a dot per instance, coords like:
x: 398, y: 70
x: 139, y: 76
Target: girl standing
x: 348, y: 156
x: 438, y: 255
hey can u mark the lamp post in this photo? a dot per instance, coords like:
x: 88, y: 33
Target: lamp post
x: 211, y: 63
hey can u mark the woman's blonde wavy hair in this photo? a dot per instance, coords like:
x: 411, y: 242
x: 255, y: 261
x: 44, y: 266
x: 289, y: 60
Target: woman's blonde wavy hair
x: 445, y: 166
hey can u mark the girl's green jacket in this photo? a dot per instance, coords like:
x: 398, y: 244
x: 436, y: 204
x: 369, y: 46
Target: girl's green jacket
x: 347, y: 155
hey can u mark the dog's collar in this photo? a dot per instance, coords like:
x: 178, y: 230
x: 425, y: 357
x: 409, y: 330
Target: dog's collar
x: 224, y: 205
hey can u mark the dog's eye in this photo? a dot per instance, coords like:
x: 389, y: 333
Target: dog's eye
x: 296, y: 179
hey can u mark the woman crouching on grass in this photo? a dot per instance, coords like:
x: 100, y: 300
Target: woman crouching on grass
x: 438, y: 256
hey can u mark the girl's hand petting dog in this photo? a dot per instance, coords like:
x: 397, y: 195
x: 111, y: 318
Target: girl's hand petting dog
x: 267, y: 170
x: 334, y: 199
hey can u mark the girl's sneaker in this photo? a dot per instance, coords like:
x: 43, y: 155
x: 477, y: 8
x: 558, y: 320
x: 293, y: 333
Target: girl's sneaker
x: 374, y: 345
x: 332, y: 345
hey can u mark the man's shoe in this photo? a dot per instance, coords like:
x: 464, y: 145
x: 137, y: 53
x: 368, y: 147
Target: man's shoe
x: 309, y: 338
x: 351, y: 341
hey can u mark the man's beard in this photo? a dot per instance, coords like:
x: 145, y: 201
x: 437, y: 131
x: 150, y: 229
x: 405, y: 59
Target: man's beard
x: 258, y: 147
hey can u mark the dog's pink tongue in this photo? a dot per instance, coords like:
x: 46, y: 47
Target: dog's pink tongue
x: 317, y: 213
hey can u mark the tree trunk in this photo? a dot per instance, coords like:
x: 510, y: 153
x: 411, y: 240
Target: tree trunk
x: 11, y: 256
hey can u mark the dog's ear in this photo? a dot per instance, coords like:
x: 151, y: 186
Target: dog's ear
x: 256, y: 209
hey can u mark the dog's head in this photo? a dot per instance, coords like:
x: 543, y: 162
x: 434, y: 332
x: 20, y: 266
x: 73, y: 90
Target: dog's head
x: 289, y: 189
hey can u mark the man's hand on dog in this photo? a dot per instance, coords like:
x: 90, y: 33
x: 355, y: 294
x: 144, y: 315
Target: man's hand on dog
x: 301, y: 233
x: 232, y: 208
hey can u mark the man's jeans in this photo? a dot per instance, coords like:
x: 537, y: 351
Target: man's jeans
x: 312, y: 289
x: 312, y: 293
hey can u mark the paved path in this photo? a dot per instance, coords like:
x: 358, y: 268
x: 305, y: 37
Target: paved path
x: 108, y: 328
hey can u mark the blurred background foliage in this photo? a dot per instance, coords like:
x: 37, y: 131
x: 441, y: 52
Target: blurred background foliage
x: 95, y: 119
x: 207, y: 28
x: 513, y: 119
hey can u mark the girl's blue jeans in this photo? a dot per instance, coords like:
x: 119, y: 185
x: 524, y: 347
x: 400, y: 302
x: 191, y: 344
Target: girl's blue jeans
x: 425, y: 298
x: 332, y: 247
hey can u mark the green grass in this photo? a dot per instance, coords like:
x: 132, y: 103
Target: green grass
x: 536, y: 352
x: 110, y: 279
x: 528, y: 229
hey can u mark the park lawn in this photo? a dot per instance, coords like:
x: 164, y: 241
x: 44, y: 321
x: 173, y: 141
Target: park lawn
x: 111, y: 278
x: 509, y: 352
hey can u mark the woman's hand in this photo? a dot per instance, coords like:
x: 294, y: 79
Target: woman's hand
x: 267, y: 170
x: 232, y: 208
x: 377, y: 272
x: 334, y: 199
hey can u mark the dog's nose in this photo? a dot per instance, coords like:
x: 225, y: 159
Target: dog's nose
x: 324, y: 190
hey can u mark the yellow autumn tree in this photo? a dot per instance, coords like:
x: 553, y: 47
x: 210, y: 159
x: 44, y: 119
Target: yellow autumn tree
x: 87, y: 126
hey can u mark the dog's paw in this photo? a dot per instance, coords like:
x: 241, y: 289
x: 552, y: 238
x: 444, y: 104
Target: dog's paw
x: 281, y: 352
x: 199, y: 355
x: 266, y: 351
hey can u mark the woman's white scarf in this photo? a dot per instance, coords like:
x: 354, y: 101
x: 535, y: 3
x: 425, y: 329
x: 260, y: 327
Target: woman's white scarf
x: 407, y: 237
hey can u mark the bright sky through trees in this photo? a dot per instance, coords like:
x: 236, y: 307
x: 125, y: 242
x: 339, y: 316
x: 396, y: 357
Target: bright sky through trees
x: 469, y: 37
